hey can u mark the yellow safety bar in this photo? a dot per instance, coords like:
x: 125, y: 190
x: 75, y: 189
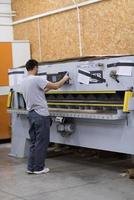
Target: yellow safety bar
x: 9, y: 99
x: 127, y: 97
x: 81, y: 104
x: 81, y: 92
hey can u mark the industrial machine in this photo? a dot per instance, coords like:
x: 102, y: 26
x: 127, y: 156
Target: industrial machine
x: 94, y: 109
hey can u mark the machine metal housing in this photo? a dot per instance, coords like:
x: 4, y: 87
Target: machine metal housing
x: 95, y: 109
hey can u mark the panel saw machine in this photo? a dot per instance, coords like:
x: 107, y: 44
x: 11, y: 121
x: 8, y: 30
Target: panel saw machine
x: 95, y: 109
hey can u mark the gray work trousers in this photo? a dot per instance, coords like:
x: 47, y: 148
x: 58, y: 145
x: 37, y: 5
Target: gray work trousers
x: 39, y: 135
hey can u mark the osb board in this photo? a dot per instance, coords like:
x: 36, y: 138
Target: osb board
x: 79, y: 1
x: 27, y: 8
x: 59, y: 36
x: 108, y: 27
x: 28, y: 31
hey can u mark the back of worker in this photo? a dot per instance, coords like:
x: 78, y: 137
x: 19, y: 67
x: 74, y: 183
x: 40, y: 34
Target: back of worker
x: 33, y: 92
x: 33, y: 88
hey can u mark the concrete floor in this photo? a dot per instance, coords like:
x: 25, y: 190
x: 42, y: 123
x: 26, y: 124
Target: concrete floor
x: 71, y: 177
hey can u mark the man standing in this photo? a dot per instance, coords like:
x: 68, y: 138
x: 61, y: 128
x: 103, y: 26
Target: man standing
x: 33, y: 88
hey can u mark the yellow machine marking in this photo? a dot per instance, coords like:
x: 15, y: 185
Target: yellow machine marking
x: 128, y: 95
x: 81, y: 92
x: 80, y: 104
x: 9, y: 99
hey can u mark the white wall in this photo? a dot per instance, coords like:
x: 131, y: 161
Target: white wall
x: 6, y: 30
x: 20, y: 49
x: 20, y: 53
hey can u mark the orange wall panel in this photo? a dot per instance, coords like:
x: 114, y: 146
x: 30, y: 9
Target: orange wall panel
x: 5, y: 132
x: 5, y: 62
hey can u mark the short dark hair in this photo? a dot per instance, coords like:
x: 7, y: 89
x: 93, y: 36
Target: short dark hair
x: 31, y: 64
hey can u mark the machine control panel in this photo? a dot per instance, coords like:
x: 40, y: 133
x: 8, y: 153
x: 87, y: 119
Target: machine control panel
x: 57, y: 77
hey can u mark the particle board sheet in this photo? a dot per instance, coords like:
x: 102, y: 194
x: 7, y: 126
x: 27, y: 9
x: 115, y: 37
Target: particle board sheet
x: 27, y: 8
x: 59, y: 36
x: 79, y: 1
x: 29, y: 31
x: 108, y: 27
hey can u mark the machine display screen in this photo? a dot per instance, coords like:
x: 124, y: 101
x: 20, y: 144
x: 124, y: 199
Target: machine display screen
x: 56, y: 77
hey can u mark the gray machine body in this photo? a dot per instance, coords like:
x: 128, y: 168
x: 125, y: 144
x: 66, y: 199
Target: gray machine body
x: 105, y: 132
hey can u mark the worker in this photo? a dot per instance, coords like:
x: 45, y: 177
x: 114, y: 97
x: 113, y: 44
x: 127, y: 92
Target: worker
x: 33, y: 88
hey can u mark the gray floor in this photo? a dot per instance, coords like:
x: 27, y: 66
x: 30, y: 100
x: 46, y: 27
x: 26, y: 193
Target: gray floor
x: 71, y: 177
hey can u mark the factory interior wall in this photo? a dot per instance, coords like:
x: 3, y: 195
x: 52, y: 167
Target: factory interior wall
x: 5, y: 64
x: 5, y: 128
x: 107, y: 28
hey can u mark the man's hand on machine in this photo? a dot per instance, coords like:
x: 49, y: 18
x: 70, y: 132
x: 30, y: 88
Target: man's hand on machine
x: 47, y: 89
x: 66, y: 77
x: 59, y: 84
